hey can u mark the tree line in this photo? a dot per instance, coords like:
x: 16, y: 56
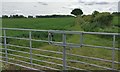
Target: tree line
x: 97, y: 21
x: 48, y: 16
x: 37, y: 16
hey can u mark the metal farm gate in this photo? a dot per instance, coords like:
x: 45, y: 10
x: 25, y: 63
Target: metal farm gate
x: 59, y: 56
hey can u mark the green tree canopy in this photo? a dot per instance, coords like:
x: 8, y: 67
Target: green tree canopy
x: 77, y: 12
x: 95, y: 13
x: 104, y: 19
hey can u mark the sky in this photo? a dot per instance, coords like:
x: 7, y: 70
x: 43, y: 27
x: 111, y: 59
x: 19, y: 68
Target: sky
x: 48, y: 7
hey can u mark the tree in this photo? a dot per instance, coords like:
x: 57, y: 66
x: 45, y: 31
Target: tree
x: 88, y: 18
x: 116, y: 13
x: 103, y: 19
x: 21, y: 16
x: 77, y: 12
x: 4, y: 16
x: 30, y: 16
x: 11, y: 16
x: 95, y: 13
x: 15, y: 16
x: 97, y: 22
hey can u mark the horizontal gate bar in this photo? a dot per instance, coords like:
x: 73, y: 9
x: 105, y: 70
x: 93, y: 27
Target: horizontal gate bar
x: 90, y: 64
x: 67, y: 60
x: 110, y: 48
x: 67, y: 44
x: 32, y: 64
x: 59, y: 31
x: 18, y: 51
x: 27, y: 39
x: 22, y: 66
x: 61, y: 53
x: 50, y: 63
x: 67, y: 53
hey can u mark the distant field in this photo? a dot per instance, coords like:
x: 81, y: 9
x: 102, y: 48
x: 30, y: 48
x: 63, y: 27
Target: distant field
x: 39, y: 23
x: 52, y: 23
x: 61, y: 24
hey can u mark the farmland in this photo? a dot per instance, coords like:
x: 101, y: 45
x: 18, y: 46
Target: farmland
x: 53, y: 23
x: 61, y: 24
x: 43, y: 23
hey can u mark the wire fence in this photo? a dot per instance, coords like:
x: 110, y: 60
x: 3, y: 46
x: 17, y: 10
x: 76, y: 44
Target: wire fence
x: 52, y: 50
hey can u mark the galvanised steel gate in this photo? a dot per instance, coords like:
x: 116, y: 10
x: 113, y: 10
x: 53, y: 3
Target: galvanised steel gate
x: 33, y: 62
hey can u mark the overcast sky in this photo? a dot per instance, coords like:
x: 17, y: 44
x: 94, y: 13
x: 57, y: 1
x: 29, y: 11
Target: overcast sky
x: 48, y: 7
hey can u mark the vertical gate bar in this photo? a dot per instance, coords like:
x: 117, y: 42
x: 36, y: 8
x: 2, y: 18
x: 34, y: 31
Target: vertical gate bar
x: 64, y: 52
x: 113, y: 53
x: 6, y: 53
x: 30, y: 39
x: 49, y: 38
x: 81, y: 39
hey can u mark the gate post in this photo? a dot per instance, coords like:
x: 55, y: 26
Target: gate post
x: 64, y: 51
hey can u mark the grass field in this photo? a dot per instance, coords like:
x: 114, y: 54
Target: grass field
x: 52, y: 23
x: 61, y: 24
x: 42, y: 23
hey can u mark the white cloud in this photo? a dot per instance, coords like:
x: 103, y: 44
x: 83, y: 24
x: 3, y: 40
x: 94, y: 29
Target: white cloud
x: 60, y: 0
x: 43, y: 8
x: 99, y: 0
x: 40, y: 0
x: 43, y: 3
x: 0, y: 8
